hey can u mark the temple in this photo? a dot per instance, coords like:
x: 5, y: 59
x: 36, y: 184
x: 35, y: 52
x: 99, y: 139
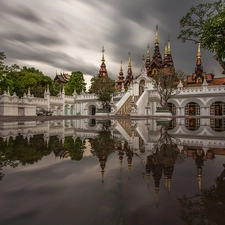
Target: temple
x: 201, y: 94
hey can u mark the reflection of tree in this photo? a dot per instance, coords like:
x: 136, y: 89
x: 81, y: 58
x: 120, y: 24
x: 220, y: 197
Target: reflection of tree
x: 75, y: 148
x: 166, y: 151
x: 19, y: 151
x: 207, y: 207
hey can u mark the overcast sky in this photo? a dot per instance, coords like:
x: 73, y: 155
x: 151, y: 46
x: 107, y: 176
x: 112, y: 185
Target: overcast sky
x: 68, y: 35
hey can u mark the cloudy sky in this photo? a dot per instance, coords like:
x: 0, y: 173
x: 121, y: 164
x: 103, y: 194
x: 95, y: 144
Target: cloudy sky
x: 68, y: 35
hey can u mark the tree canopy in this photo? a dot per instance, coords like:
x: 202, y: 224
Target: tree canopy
x: 18, y: 80
x: 76, y: 82
x: 103, y: 88
x: 205, y: 23
x: 166, y: 85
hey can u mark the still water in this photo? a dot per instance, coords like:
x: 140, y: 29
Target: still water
x: 127, y: 172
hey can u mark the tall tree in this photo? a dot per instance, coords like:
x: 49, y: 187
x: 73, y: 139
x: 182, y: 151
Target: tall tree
x: 76, y: 82
x: 205, y: 23
x: 21, y: 80
x: 103, y: 88
x: 166, y: 85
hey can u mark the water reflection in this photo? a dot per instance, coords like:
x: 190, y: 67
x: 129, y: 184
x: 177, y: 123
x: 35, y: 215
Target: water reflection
x: 207, y: 207
x: 170, y: 157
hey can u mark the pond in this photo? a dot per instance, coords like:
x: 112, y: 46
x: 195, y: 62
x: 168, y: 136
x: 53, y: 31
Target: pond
x: 112, y: 172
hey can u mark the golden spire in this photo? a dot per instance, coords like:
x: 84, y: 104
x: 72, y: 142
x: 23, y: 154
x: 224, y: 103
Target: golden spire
x: 129, y: 62
x: 103, y: 50
x: 168, y: 46
x: 156, y: 36
x: 199, y: 51
x: 166, y: 50
x: 121, y: 69
x: 148, y: 52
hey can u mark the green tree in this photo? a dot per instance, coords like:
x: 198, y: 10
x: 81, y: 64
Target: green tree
x: 20, y: 80
x: 166, y: 85
x: 205, y: 23
x: 76, y: 82
x: 2, y: 58
x: 103, y: 88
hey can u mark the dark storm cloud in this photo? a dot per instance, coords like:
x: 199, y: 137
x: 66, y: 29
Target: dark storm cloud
x: 69, y: 34
x: 31, y: 38
x: 20, y: 12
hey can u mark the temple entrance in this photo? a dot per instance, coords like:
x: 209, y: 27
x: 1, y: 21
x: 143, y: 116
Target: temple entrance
x: 192, y: 109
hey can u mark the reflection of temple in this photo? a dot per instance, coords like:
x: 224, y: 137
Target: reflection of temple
x: 157, y: 147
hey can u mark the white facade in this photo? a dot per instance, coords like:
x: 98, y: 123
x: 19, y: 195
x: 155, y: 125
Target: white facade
x: 141, y: 99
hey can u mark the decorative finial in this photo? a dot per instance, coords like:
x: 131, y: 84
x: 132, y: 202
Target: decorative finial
x: 129, y: 62
x: 199, y: 51
x: 156, y: 36
x: 166, y: 50
x: 168, y: 46
x: 148, y: 52
x: 103, y: 50
x: 121, y: 68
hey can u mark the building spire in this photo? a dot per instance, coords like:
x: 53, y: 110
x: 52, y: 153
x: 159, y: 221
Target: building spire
x: 103, y: 71
x: 166, y: 50
x: 199, y: 51
x: 156, y: 36
x: 129, y: 61
x: 103, y: 50
x: 121, y: 68
x: 168, y: 46
x: 148, y: 53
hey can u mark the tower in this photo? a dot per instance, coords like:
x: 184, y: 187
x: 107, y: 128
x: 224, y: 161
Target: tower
x: 156, y: 63
x: 120, y: 80
x: 103, y: 71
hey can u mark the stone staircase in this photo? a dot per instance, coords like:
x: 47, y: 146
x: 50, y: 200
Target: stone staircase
x: 126, y: 107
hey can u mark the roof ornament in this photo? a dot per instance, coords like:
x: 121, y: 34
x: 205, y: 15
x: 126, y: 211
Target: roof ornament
x: 103, y: 50
x: 166, y: 49
x: 121, y: 68
x: 168, y: 45
x: 156, y: 36
x: 129, y: 61
x: 199, y: 51
x: 148, y: 52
